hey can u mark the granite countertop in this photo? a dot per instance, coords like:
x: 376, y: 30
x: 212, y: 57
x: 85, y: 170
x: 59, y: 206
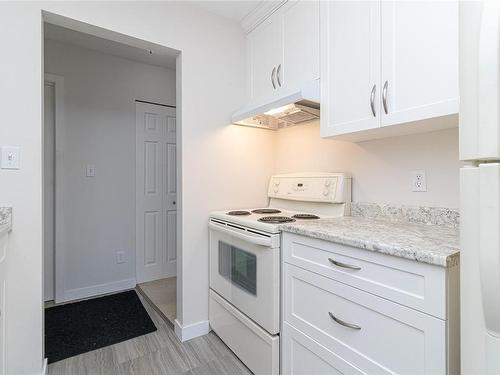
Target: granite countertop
x: 422, y: 242
x: 5, y: 219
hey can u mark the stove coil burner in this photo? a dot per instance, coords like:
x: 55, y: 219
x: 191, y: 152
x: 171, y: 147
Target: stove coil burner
x: 276, y: 219
x: 238, y: 213
x: 266, y: 211
x: 305, y: 216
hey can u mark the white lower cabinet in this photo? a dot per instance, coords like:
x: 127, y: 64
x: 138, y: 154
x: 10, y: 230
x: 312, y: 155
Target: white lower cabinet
x: 304, y: 356
x: 333, y: 324
x: 3, y: 255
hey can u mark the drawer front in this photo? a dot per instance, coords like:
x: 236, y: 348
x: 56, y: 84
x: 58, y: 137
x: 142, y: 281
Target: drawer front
x: 390, y: 338
x: 303, y: 356
x: 256, y: 348
x: 410, y: 283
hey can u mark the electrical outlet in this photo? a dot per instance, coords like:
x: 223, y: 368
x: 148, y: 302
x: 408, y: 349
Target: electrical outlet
x: 419, y: 181
x: 120, y: 257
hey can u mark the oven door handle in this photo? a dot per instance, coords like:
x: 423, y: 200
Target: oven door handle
x: 252, y: 238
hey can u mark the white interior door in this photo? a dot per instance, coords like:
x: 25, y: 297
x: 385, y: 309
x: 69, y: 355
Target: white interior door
x: 156, y: 194
x: 49, y: 190
x: 170, y: 197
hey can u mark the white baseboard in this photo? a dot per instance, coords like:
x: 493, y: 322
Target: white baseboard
x: 44, y: 367
x: 95, y: 290
x: 188, y: 332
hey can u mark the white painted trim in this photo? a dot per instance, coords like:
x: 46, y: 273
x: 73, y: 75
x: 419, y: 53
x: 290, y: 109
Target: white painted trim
x: 178, y: 109
x: 59, y: 247
x: 192, y: 330
x: 96, y: 290
x: 44, y: 367
x: 259, y: 14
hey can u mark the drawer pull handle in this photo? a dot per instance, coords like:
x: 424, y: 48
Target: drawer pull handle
x: 342, y: 323
x: 344, y: 265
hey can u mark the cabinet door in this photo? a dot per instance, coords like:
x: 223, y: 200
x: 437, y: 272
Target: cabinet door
x: 350, y: 66
x: 419, y: 59
x: 266, y: 53
x: 303, y: 356
x: 300, y: 43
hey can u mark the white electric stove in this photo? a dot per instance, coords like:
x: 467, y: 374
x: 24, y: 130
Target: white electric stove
x: 245, y: 261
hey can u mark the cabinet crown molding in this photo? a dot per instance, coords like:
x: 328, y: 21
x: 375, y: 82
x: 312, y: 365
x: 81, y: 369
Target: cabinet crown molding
x: 259, y: 14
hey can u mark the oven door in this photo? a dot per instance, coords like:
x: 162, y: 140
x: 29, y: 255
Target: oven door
x: 244, y: 270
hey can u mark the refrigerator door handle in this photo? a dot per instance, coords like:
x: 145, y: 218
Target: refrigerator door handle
x: 489, y: 244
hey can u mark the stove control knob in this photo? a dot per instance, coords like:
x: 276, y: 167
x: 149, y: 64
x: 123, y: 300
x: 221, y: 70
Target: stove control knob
x: 326, y: 192
x: 327, y: 183
x: 276, y: 188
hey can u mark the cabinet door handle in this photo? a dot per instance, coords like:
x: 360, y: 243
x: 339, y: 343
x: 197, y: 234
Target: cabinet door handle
x: 272, y: 77
x: 384, y: 96
x: 278, y: 75
x: 344, y: 265
x: 372, y: 100
x: 342, y: 323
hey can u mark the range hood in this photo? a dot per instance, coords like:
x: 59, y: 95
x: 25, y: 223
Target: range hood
x: 284, y: 110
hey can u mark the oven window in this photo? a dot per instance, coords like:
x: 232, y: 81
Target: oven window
x: 238, y: 266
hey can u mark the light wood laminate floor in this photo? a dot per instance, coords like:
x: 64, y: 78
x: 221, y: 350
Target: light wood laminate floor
x: 163, y: 294
x: 159, y: 352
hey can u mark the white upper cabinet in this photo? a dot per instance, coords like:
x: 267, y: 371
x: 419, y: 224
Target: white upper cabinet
x: 350, y: 66
x: 388, y: 63
x: 300, y: 21
x: 284, y: 50
x: 419, y: 59
x: 266, y: 53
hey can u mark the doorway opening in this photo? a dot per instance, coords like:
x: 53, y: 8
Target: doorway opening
x: 111, y: 161
x: 156, y: 206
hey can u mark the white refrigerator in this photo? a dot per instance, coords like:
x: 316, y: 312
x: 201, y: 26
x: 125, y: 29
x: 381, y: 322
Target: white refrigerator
x: 480, y: 186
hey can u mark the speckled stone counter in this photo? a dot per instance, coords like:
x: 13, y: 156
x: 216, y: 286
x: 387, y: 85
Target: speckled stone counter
x: 411, y: 214
x: 423, y: 242
x: 5, y: 219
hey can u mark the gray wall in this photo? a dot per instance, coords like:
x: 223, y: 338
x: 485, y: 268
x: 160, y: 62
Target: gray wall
x: 99, y: 212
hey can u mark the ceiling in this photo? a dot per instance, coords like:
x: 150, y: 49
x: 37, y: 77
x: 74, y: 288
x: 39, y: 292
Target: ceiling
x: 235, y: 10
x: 156, y: 55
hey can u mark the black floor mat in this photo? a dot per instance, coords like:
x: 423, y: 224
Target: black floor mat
x: 83, y: 326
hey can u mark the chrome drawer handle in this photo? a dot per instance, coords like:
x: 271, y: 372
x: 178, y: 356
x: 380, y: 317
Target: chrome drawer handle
x: 272, y: 77
x: 342, y: 323
x: 344, y: 265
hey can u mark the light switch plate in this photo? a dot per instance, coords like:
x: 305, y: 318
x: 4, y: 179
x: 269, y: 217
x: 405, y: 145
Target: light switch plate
x: 9, y: 157
x: 90, y: 170
x: 120, y: 257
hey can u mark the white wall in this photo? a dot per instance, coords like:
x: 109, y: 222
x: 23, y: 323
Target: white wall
x: 382, y: 168
x: 222, y: 165
x: 216, y: 158
x: 99, y: 212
